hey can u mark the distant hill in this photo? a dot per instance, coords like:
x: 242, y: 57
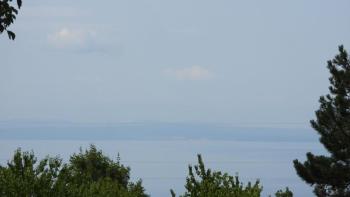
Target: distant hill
x: 151, y: 131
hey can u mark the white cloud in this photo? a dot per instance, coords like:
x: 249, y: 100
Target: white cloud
x: 71, y: 38
x: 190, y: 73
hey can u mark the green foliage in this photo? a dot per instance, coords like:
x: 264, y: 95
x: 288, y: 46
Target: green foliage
x: 23, y: 176
x: 287, y: 193
x: 88, y: 174
x: 8, y: 15
x: 330, y: 175
x: 92, y: 174
x: 206, y: 183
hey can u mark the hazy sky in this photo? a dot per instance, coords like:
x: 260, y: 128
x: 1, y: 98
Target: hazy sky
x: 170, y: 61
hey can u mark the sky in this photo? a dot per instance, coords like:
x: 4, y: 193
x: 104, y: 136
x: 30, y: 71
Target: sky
x: 240, y: 62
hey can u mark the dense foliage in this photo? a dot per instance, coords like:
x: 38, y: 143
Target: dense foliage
x: 330, y: 175
x: 204, y: 182
x: 92, y: 174
x: 88, y: 173
x: 286, y: 193
x: 8, y: 14
x: 23, y: 176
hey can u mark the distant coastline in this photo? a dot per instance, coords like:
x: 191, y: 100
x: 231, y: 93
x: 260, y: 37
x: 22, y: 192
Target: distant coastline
x: 151, y: 131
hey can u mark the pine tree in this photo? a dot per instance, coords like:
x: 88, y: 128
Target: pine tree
x: 330, y: 175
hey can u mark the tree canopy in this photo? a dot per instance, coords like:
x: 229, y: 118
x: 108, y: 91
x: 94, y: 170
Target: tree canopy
x: 202, y: 182
x: 8, y: 13
x: 92, y: 174
x: 330, y: 175
x: 88, y: 174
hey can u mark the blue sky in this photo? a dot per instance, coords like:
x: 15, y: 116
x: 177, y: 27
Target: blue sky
x: 219, y: 61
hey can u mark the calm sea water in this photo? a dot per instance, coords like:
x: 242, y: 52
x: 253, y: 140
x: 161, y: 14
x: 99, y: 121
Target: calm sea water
x: 161, y: 159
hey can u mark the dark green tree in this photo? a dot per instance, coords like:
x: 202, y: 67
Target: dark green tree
x: 202, y: 182
x: 330, y: 175
x: 24, y: 176
x: 88, y: 174
x: 286, y: 193
x: 8, y: 14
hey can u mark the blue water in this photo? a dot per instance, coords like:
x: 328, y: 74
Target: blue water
x: 160, y: 153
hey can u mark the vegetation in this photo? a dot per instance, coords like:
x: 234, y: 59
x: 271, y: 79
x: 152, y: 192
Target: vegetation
x: 330, y: 175
x: 91, y: 174
x: 8, y: 15
x: 204, y: 182
x: 88, y: 173
x: 23, y: 176
x: 286, y: 193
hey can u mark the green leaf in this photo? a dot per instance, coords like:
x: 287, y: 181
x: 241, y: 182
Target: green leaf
x: 19, y: 3
x: 11, y: 35
x: 14, y: 10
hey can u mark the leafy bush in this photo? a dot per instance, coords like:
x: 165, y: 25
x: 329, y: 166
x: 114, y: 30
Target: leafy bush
x: 206, y: 183
x: 287, y: 193
x: 88, y: 173
x: 92, y: 174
